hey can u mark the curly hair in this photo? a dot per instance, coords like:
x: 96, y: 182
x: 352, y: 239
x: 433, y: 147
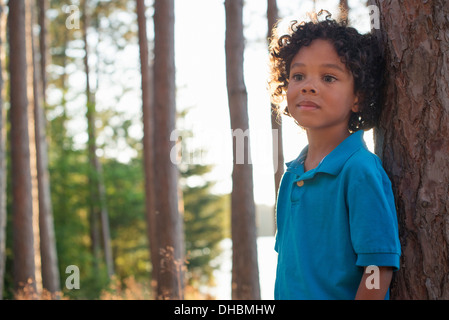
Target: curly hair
x: 360, y: 53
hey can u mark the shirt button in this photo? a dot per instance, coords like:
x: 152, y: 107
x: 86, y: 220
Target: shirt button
x: 300, y: 183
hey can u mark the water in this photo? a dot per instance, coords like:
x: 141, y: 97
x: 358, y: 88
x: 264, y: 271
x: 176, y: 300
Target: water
x: 267, y: 258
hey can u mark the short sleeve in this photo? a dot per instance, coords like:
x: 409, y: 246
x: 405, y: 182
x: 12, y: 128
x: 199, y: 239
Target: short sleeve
x: 372, y: 215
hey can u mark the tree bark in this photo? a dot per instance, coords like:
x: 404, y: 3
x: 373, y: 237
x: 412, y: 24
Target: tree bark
x: 245, y: 271
x: 170, y: 278
x: 344, y: 11
x: 412, y: 140
x: 46, y: 250
x: 2, y: 156
x: 276, y: 125
x: 42, y: 20
x: 32, y: 101
x: 23, y: 242
x: 148, y: 144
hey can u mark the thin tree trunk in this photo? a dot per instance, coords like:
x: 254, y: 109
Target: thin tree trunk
x: 42, y: 20
x: 97, y: 190
x: 32, y: 101
x: 46, y: 237
x: 104, y: 215
x: 245, y: 271
x: 2, y: 156
x: 276, y: 125
x: 93, y: 212
x: 148, y: 144
x: 170, y: 278
x: 23, y: 242
x: 104, y: 218
x: 344, y: 11
x: 412, y: 140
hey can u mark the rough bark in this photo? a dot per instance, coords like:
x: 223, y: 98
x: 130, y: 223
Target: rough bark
x: 170, y: 278
x: 245, y: 271
x: 412, y: 140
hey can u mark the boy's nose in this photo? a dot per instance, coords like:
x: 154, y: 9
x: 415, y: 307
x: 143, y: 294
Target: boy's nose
x: 309, y: 88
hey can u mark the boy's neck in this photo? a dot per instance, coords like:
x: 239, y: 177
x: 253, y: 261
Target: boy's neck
x: 321, y: 143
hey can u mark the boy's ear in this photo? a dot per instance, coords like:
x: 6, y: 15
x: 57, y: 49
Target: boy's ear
x: 355, y: 107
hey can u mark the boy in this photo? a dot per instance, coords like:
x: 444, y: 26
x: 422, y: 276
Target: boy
x: 335, y: 212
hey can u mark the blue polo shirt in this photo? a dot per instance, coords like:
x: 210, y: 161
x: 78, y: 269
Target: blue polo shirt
x: 332, y: 221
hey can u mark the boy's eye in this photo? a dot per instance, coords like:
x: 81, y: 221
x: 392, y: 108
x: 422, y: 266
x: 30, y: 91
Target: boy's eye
x: 297, y: 77
x: 328, y: 78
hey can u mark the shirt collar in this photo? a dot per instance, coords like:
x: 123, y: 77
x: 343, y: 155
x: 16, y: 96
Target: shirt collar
x: 334, y: 161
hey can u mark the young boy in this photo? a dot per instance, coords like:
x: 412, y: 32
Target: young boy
x: 335, y: 212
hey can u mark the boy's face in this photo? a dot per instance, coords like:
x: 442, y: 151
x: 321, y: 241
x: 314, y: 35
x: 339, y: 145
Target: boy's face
x: 320, y: 93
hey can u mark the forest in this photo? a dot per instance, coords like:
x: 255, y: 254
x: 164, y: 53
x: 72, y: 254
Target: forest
x: 118, y: 181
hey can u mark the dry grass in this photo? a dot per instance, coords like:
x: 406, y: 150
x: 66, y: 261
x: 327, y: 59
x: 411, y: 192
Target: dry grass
x: 129, y: 288
x: 28, y: 291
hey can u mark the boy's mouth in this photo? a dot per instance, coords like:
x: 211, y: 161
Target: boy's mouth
x: 307, y: 105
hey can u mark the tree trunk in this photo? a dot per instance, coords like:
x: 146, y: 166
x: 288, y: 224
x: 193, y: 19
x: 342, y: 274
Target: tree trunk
x: 170, y: 278
x: 32, y: 101
x: 245, y: 271
x: 148, y: 145
x: 97, y: 190
x: 46, y: 251
x: 412, y: 140
x: 344, y: 11
x: 23, y: 242
x: 42, y: 20
x: 93, y: 211
x: 2, y: 156
x: 276, y: 126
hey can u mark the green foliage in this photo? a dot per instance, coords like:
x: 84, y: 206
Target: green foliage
x: 204, y: 221
x: 205, y: 217
x: 126, y: 205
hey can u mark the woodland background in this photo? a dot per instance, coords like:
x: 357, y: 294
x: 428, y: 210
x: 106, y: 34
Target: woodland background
x: 90, y: 98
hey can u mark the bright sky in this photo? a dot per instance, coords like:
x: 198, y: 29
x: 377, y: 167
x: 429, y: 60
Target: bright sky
x: 201, y: 80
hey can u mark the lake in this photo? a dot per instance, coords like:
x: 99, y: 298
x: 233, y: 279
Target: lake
x: 267, y: 258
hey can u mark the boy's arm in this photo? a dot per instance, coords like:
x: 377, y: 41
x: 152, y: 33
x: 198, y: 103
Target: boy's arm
x: 368, y: 291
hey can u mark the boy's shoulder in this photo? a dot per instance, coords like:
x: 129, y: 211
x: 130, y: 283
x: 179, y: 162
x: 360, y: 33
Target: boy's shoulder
x: 363, y: 161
